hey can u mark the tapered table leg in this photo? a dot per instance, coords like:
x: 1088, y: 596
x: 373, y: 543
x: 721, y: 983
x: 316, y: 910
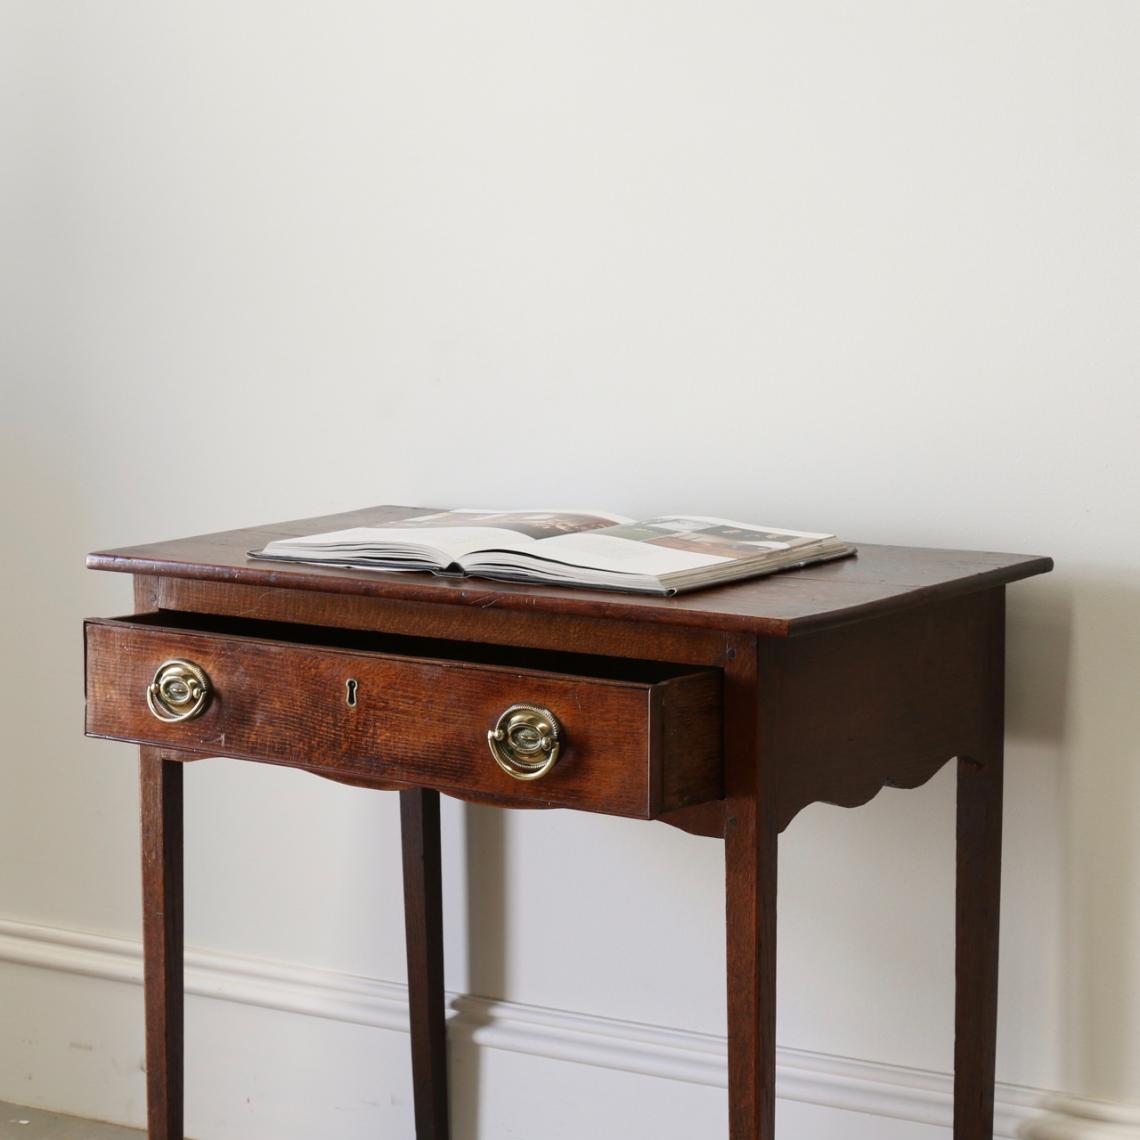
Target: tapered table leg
x: 750, y: 895
x: 161, y: 801
x: 750, y: 854
x: 423, y: 917
x: 976, y: 953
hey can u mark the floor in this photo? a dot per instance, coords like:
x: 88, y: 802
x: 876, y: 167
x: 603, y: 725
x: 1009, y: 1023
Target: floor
x: 18, y: 1123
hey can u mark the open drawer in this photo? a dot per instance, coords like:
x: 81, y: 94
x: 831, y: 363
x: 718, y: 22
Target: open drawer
x: 630, y: 738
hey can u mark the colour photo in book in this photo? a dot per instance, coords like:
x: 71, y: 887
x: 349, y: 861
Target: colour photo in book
x: 664, y: 555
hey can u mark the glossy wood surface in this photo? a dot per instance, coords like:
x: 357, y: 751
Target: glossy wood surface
x: 881, y: 578
x: 750, y: 855
x: 637, y: 743
x: 160, y: 785
x: 488, y: 625
x: 423, y: 926
x: 976, y: 943
x: 978, y: 895
x: 825, y: 684
x: 885, y: 703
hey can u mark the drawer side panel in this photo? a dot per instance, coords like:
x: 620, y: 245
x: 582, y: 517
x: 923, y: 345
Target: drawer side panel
x: 691, y: 740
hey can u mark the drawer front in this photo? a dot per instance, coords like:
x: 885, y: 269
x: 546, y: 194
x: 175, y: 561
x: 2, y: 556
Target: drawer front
x: 631, y: 748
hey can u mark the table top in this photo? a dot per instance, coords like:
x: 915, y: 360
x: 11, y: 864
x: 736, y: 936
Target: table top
x: 880, y: 579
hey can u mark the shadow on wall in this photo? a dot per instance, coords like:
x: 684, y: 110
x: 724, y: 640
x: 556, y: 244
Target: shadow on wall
x: 1098, y: 720
x: 1073, y: 664
x: 486, y: 854
x: 1072, y: 723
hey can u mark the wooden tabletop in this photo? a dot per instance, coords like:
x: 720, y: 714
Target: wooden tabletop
x: 880, y: 579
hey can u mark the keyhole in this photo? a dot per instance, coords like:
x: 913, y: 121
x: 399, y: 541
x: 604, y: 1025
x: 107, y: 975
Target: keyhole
x: 350, y: 695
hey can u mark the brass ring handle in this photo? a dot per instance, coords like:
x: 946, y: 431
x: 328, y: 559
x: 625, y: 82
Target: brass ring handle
x: 180, y: 691
x: 525, y: 741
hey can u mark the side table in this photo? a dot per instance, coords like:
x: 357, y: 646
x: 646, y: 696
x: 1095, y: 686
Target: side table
x: 723, y: 712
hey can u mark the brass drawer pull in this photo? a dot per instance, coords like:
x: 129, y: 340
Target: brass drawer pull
x: 525, y: 741
x: 180, y: 691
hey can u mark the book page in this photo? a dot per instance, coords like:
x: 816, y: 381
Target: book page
x: 671, y: 543
x: 534, y: 524
x: 438, y: 540
x: 599, y: 550
x: 721, y: 537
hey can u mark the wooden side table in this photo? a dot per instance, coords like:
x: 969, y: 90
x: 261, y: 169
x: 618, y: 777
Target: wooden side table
x: 723, y: 712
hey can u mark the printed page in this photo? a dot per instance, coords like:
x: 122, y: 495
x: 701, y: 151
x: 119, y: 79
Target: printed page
x: 724, y: 537
x: 599, y: 551
x: 533, y: 524
x: 439, y: 539
x: 669, y: 544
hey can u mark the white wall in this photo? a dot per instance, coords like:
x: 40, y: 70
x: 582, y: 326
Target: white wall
x: 868, y: 267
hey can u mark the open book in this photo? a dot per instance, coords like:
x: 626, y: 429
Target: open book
x: 663, y: 555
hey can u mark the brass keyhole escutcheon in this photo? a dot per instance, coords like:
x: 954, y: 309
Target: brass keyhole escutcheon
x: 525, y: 741
x: 180, y: 691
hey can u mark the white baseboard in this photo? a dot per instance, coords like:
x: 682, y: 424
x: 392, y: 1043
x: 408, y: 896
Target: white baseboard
x: 1072, y: 1118
x: 894, y: 1091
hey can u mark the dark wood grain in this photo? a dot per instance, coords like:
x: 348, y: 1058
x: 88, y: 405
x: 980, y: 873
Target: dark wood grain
x: 976, y: 945
x: 980, y: 779
x: 488, y: 624
x: 824, y: 684
x: 885, y: 703
x: 423, y: 923
x: 881, y: 579
x: 751, y: 836
x: 699, y: 819
x: 626, y: 751
x: 160, y: 783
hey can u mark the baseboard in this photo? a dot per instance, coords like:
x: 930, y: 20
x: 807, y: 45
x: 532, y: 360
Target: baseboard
x: 842, y: 1083
x: 1072, y: 1118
